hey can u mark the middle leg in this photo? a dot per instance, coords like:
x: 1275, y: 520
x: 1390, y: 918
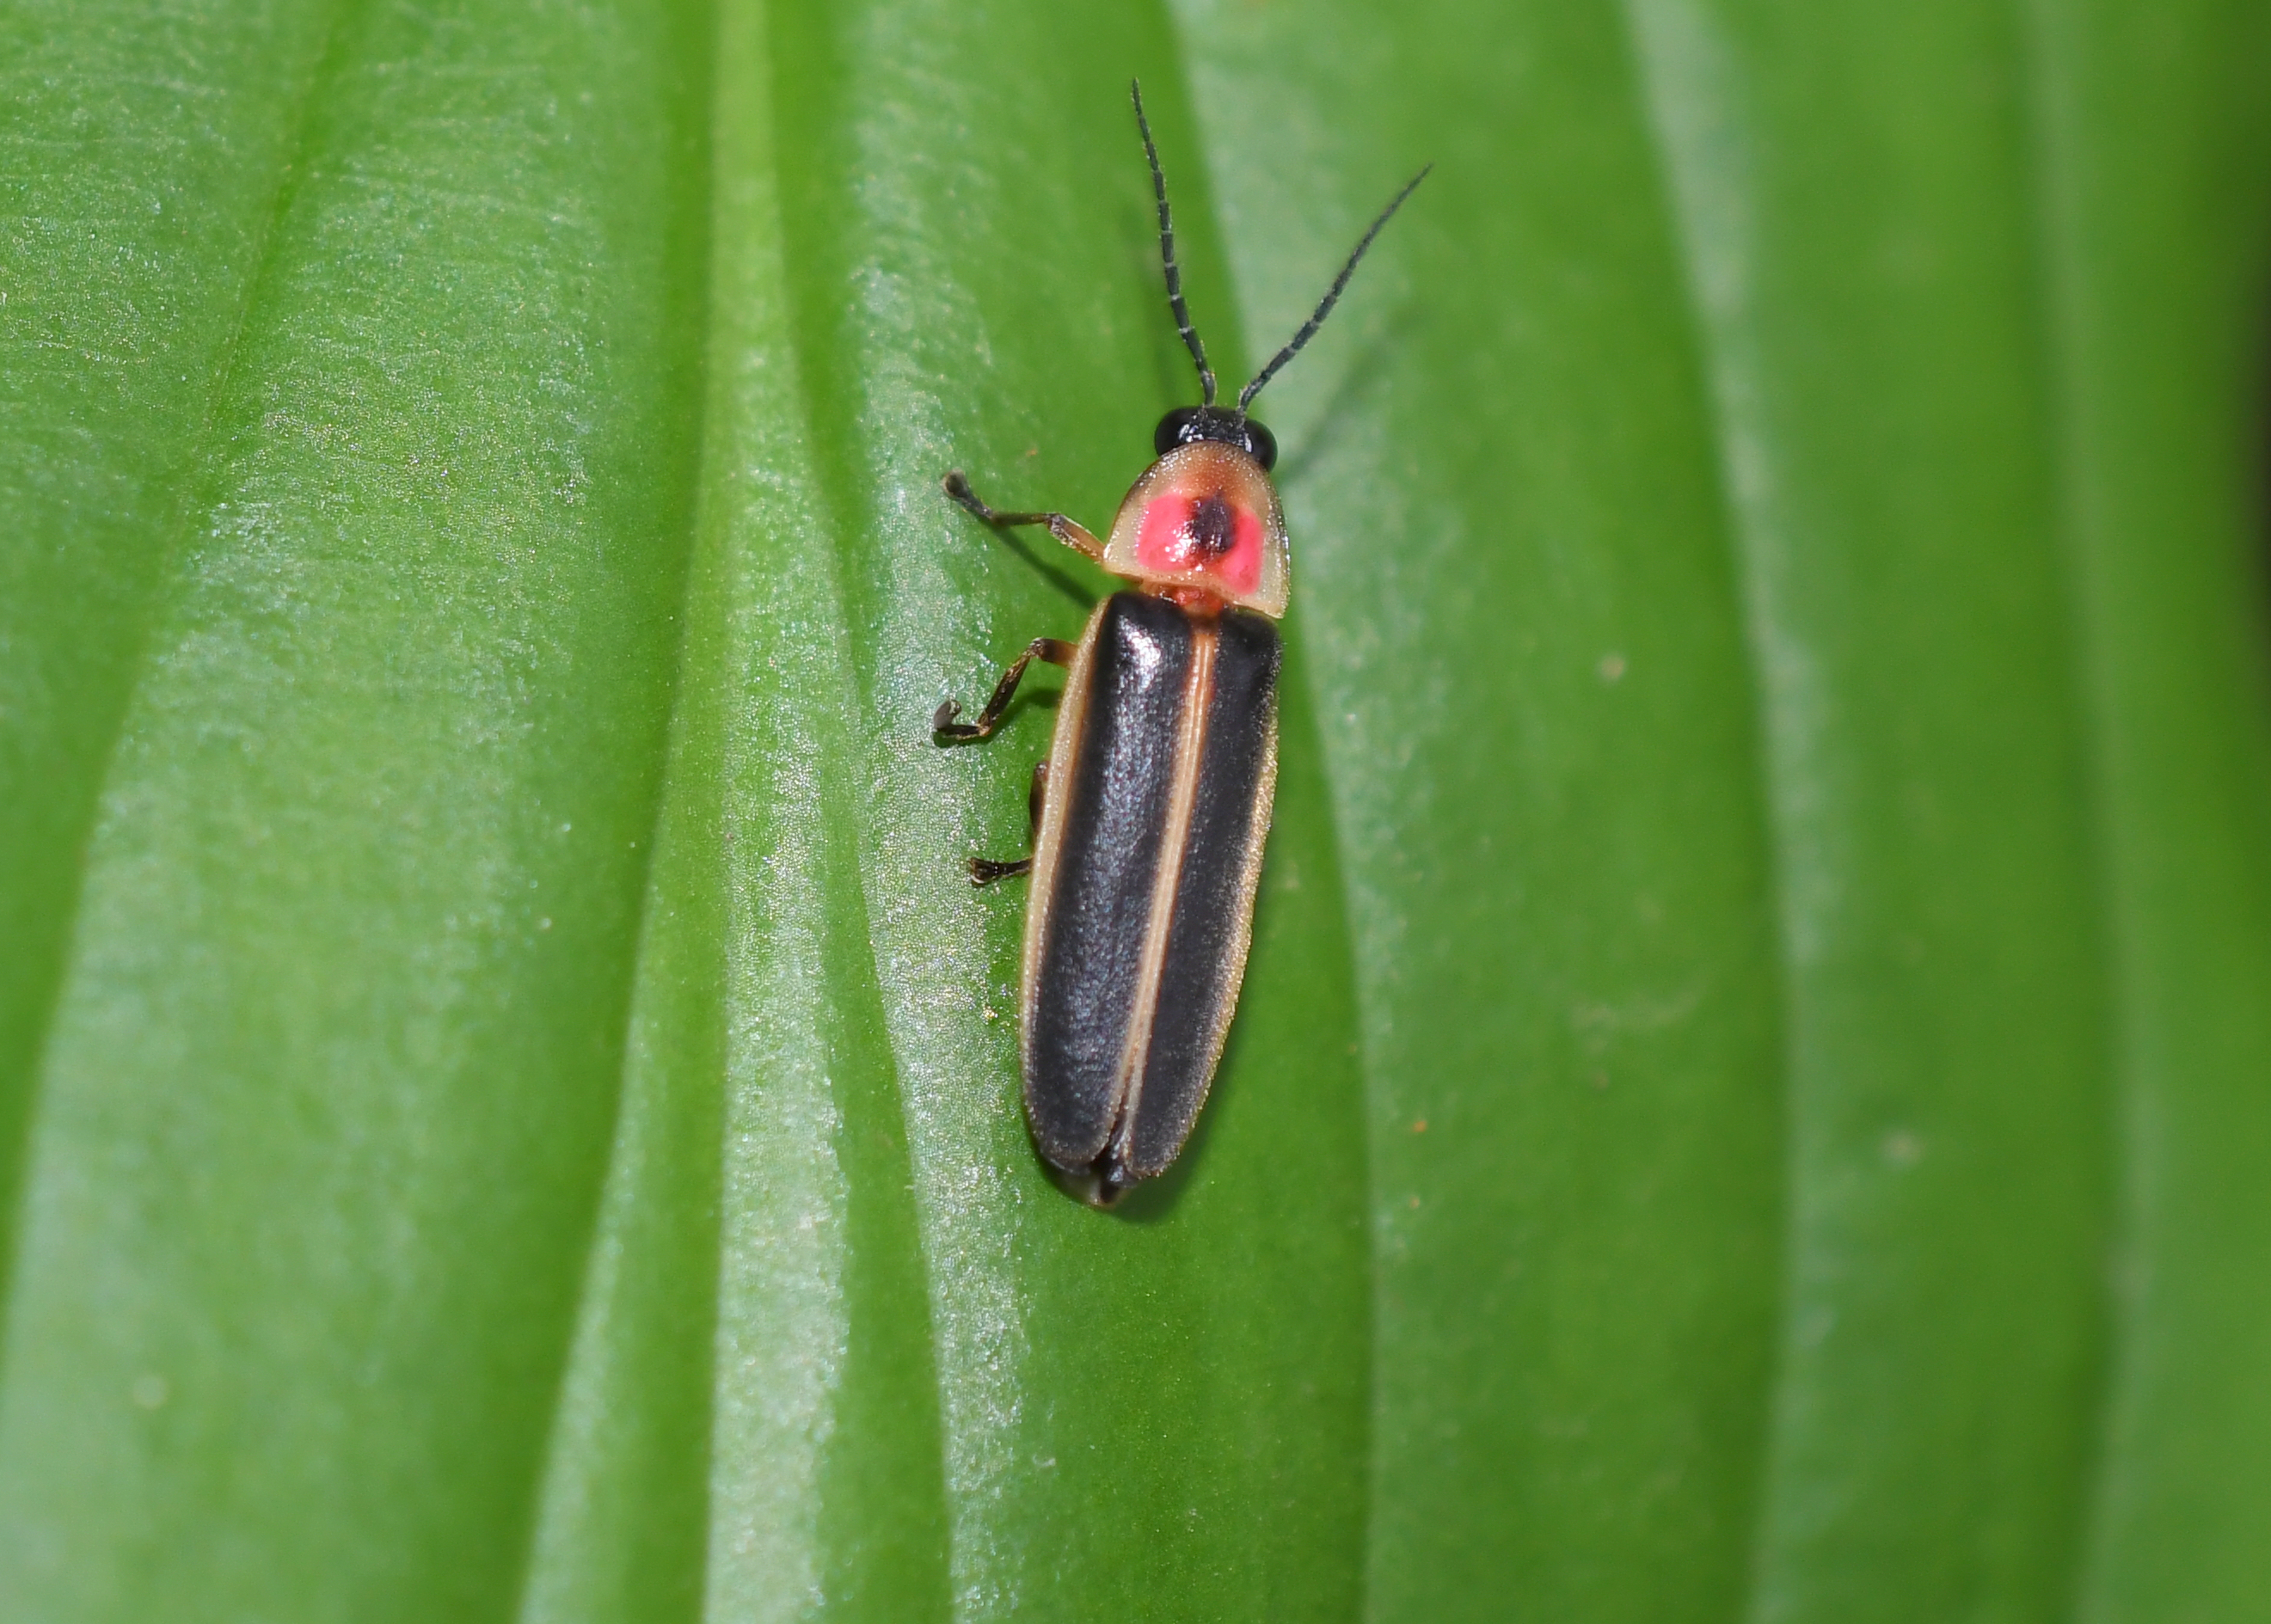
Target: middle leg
x: 1055, y: 651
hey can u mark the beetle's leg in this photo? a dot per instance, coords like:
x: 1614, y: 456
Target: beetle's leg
x: 1066, y: 531
x: 1055, y: 651
x: 985, y: 870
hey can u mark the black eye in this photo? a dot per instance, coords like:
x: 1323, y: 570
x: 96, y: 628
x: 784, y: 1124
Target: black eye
x: 1175, y: 430
x: 1188, y: 425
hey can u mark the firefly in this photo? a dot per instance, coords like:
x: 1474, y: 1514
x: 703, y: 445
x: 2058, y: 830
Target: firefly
x: 1150, y: 810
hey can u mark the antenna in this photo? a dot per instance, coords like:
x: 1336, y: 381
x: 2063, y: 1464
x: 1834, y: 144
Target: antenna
x: 1324, y: 306
x: 1167, y: 252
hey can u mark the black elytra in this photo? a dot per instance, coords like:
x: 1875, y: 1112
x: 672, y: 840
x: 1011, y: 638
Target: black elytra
x: 1152, y: 807
x: 1144, y: 895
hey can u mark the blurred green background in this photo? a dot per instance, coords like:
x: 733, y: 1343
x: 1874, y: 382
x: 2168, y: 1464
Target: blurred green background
x: 1754, y: 1089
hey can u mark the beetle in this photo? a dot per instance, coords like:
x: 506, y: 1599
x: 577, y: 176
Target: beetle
x: 1150, y: 809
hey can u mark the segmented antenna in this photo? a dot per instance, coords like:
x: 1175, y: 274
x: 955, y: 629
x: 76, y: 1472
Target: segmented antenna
x: 1325, y: 305
x: 1190, y: 334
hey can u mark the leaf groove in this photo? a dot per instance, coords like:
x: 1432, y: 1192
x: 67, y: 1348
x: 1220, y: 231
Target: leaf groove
x: 196, y: 474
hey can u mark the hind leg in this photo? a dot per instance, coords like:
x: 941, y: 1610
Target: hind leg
x: 985, y: 870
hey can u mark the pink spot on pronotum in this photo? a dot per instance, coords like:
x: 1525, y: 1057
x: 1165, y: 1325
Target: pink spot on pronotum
x: 1212, y: 535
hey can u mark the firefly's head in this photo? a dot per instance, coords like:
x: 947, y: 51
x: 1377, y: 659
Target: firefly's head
x: 1204, y: 519
x: 1188, y: 426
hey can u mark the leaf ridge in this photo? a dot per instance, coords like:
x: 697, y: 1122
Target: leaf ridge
x: 881, y: 1541
x: 663, y: 989
x: 1693, y: 98
x: 1838, y: 752
x: 2050, y: 158
x: 198, y: 476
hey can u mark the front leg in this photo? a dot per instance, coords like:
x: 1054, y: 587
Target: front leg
x: 1055, y: 651
x: 1073, y: 535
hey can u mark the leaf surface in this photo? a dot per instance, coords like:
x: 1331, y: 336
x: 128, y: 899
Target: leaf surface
x: 1746, y: 1092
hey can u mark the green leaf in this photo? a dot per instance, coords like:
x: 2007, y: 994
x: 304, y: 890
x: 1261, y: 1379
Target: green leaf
x: 1746, y: 1098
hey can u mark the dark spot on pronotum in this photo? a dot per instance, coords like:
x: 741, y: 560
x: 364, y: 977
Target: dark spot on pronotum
x: 1213, y: 532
